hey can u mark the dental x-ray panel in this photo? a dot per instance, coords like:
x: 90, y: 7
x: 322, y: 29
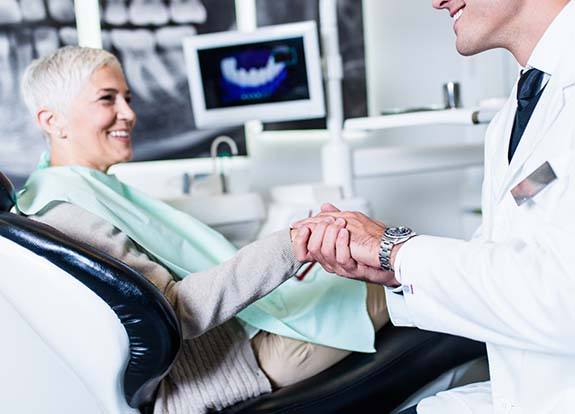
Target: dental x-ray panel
x: 271, y: 74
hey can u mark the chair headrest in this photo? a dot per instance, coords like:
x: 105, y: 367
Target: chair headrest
x: 7, y: 193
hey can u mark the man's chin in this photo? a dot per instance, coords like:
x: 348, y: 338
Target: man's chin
x: 466, y: 49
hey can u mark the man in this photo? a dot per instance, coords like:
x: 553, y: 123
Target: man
x: 513, y: 285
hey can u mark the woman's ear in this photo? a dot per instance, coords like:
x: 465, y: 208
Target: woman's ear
x: 48, y: 121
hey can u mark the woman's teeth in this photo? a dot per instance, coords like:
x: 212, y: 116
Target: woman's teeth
x: 119, y: 134
x: 457, y: 15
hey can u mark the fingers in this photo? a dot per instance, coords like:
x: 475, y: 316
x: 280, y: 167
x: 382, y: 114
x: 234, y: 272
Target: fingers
x: 329, y: 242
x: 316, y: 240
x: 329, y: 208
x: 334, y: 214
x: 300, y: 242
x: 343, y: 252
x: 325, y: 210
x: 312, y: 220
x: 325, y: 240
x: 321, y: 245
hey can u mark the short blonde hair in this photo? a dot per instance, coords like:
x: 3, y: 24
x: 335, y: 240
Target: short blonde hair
x: 52, y: 81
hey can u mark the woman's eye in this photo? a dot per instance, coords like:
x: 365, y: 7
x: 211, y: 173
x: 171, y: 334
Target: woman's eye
x: 107, y: 98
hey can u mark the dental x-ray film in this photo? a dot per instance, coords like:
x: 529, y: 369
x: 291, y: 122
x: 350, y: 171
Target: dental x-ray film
x: 254, y: 73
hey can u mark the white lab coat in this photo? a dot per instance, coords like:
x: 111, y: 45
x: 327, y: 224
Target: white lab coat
x: 513, y: 285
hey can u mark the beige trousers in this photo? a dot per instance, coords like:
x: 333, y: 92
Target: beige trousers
x: 286, y: 361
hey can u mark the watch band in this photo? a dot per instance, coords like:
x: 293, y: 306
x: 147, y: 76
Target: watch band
x: 392, y: 236
x: 385, y: 247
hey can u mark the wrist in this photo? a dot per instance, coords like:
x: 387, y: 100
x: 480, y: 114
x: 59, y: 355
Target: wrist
x: 392, y: 238
x: 374, y: 251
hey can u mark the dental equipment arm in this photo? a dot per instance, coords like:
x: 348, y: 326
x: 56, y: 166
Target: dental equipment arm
x: 447, y: 117
x: 336, y: 155
x: 88, y: 23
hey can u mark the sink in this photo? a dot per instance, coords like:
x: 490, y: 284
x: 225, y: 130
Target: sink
x: 237, y: 216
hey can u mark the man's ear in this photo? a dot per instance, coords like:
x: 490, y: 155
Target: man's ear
x: 48, y: 122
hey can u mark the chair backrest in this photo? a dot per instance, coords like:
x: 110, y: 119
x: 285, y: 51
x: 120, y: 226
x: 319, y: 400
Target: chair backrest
x: 7, y: 195
x: 35, y: 258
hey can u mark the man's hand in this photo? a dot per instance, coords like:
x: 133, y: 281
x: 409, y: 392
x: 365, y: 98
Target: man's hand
x: 365, y: 233
x: 346, y: 251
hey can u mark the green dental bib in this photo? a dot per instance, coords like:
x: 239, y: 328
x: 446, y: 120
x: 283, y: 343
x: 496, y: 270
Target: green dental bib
x: 322, y: 308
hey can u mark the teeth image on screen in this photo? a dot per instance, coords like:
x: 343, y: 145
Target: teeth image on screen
x: 254, y: 77
x: 260, y: 72
x: 252, y: 83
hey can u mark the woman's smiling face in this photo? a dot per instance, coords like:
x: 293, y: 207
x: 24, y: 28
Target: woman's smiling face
x: 99, y: 121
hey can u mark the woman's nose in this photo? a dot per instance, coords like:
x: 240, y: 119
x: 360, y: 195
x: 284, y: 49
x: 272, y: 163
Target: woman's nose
x: 125, y: 111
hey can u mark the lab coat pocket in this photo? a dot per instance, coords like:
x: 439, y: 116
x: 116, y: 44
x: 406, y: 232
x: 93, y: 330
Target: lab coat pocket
x: 554, y: 188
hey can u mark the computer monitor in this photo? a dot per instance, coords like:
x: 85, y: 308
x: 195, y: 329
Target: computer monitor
x: 271, y: 74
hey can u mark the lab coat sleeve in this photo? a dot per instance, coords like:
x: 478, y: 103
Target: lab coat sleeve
x: 515, y: 294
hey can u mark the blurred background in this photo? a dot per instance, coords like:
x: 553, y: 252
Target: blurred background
x: 146, y: 36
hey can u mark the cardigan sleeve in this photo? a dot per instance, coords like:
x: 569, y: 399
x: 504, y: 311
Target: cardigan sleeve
x: 204, y: 299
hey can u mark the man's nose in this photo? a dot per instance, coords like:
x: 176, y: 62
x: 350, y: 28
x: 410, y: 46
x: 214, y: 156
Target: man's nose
x: 440, y: 4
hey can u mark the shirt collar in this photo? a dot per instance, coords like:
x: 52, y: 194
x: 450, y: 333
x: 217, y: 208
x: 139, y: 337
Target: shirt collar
x: 546, y: 56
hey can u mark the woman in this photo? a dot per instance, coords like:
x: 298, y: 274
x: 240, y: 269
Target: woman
x: 81, y: 102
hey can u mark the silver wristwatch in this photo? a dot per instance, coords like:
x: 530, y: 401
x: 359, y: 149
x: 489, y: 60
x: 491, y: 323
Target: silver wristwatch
x: 392, y: 236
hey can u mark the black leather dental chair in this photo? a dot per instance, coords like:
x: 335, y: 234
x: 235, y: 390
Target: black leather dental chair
x: 81, y: 332
x: 406, y: 360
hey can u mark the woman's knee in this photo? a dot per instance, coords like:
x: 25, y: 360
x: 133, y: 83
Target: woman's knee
x: 286, y: 361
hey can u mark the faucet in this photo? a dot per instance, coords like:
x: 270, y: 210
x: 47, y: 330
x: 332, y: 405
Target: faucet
x: 222, y: 140
x: 214, y: 154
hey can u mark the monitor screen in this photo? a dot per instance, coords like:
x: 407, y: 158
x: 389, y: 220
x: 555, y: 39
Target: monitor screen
x: 254, y: 73
x: 272, y: 74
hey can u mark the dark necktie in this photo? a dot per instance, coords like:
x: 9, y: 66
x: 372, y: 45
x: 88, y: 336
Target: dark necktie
x: 528, y: 94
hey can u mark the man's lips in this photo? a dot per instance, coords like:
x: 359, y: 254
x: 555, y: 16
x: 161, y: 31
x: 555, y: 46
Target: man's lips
x: 457, y: 13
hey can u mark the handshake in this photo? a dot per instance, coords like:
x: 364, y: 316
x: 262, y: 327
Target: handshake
x: 345, y: 243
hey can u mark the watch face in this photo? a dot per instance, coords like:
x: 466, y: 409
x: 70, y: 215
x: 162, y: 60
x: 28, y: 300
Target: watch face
x: 398, y: 232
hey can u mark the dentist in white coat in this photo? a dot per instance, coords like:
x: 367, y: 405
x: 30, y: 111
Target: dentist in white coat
x: 513, y: 285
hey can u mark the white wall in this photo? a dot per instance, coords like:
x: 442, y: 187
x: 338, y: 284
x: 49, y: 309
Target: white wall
x: 410, y: 53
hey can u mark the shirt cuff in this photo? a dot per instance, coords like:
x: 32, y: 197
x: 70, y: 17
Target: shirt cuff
x: 395, y: 297
x: 397, y: 263
x: 397, y: 308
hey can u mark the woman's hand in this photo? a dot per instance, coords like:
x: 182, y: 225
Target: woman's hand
x: 302, y: 236
x: 347, y: 246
